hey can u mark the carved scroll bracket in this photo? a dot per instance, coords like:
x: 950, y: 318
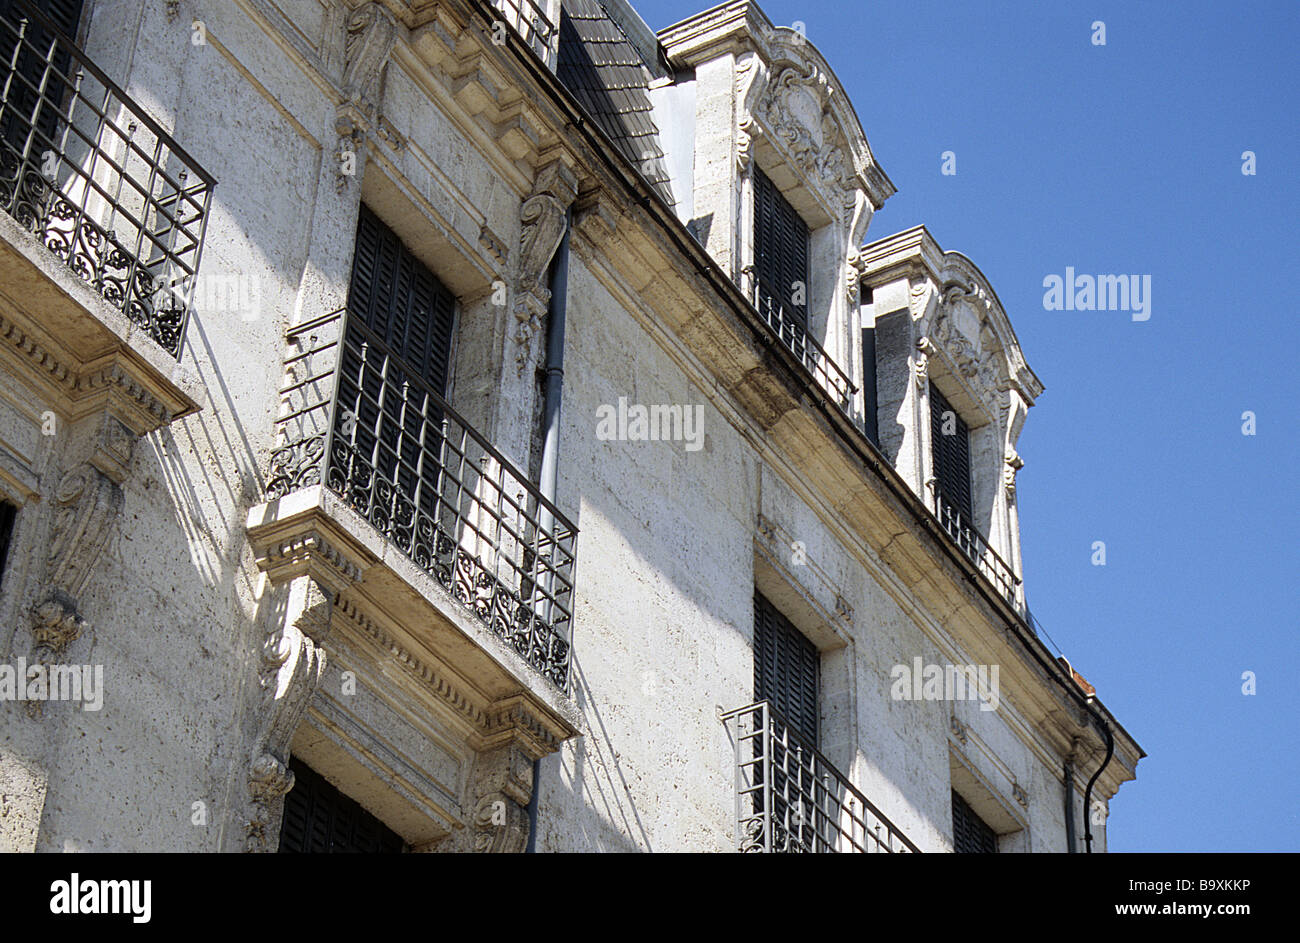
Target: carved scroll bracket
x: 86, y: 504
x: 500, y: 786
x: 921, y: 363
x: 1012, y: 463
x: 292, y: 665
x: 542, y: 219
x: 370, y: 34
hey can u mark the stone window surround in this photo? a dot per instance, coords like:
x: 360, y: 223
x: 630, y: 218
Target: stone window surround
x: 1003, y: 810
x: 827, y: 629
x: 961, y: 340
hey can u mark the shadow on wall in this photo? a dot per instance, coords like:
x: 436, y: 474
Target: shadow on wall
x: 601, y: 785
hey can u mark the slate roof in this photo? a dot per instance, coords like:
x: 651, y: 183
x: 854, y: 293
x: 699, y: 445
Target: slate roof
x: 605, y: 72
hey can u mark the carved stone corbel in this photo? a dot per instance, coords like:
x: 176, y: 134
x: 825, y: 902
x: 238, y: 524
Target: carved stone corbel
x: 370, y: 34
x: 1012, y: 463
x: 292, y: 665
x: 750, y: 83
x: 746, y: 134
x: 921, y: 363
x: 501, y: 784
x: 852, y: 287
x: 542, y: 219
x: 86, y: 503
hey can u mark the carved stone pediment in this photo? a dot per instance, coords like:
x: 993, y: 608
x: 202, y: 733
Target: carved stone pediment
x: 788, y: 95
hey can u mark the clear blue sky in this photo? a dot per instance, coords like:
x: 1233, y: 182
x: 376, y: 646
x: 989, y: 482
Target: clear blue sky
x: 1126, y: 159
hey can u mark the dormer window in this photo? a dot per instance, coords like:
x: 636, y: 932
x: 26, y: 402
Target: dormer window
x: 780, y: 262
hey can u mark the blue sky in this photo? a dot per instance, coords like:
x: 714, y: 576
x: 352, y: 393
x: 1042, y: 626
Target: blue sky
x: 1126, y: 159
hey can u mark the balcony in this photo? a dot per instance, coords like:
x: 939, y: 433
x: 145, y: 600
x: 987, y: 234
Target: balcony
x: 791, y: 799
x: 374, y: 434
x: 793, y: 334
x: 98, y: 184
x: 977, y: 549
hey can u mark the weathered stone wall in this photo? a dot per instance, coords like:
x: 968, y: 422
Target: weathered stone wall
x: 673, y: 541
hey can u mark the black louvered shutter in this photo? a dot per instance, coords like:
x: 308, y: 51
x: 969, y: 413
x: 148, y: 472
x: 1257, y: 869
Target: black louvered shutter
x: 402, y: 316
x: 318, y: 819
x: 780, y: 258
x: 66, y: 14
x: 951, y: 457
x: 8, y: 518
x: 970, y: 834
x: 786, y: 668
x: 394, y: 295
x: 870, y: 395
x: 22, y: 99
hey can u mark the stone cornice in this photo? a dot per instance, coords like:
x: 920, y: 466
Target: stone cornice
x: 518, y: 718
x: 306, y: 543
x: 726, y: 28
x: 118, y: 378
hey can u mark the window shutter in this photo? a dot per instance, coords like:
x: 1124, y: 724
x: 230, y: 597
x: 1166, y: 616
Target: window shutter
x: 66, y: 14
x: 318, y: 819
x: 951, y: 455
x: 22, y: 100
x: 398, y: 298
x: 786, y: 666
x: 780, y: 254
x: 870, y: 396
x: 8, y: 518
x: 970, y: 834
x: 404, y: 316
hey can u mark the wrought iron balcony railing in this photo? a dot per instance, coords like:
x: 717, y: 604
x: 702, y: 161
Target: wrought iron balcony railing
x: 528, y: 18
x: 976, y: 548
x: 376, y: 434
x: 790, y: 798
x: 794, y: 335
x: 95, y: 179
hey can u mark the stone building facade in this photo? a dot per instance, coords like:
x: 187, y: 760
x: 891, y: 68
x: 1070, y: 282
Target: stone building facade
x: 453, y: 425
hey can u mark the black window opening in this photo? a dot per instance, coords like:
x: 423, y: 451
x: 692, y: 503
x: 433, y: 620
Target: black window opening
x: 8, y: 518
x: 318, y: 819
x: 393, y: 376
x: 870, y: 398
x: 786, y: 675
x: 780, y: 263
x: 950, y: 449
x: 786, y: 669
x: 970, y: 833
x: 26, y: 108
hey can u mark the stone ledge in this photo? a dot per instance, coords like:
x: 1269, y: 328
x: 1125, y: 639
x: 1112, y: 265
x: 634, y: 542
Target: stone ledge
x: 385, y: 600
x: 73, y: 344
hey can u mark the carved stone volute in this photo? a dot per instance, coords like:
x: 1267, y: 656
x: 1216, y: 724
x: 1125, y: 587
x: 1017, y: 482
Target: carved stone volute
x: 371, y: 33
x: 499, y: 789
x: 292, y: 665
x: 542, y: 219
